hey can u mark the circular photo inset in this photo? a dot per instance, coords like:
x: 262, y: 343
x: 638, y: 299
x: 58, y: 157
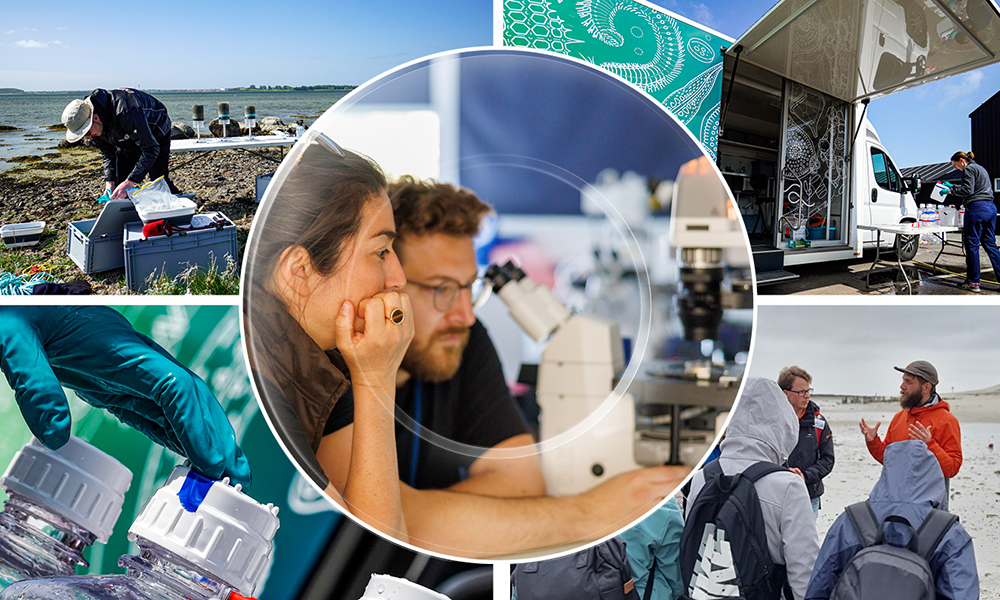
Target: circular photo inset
x: 497, y: 303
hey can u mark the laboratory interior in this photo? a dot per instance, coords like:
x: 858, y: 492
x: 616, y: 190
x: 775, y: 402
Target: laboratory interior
x: 622, y: 294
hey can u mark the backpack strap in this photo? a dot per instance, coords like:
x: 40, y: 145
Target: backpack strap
x: 865, y: 524
x: 932, y: 531
x: 646, y: 595
x: 758, y: 470
x: 711, y: 470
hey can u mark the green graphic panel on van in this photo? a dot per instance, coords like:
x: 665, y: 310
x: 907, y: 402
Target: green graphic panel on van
x: 678, y: 64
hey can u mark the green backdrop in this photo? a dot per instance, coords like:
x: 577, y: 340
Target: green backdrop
x: 678, y: 64
x: 207, y: 340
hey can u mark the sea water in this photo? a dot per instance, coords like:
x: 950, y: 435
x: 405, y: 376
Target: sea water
x: 34, y: 112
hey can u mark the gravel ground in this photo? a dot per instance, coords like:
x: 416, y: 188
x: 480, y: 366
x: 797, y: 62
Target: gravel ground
x: 847, y: 277
x: 61, y: 186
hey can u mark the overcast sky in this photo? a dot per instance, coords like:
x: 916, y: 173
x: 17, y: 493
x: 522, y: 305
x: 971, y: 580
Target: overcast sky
x: 853, y: 349
x: 70, y: 45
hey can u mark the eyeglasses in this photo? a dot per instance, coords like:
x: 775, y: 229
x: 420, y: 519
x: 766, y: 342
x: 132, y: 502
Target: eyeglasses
x: 446, y: 294
x: 802, y: 393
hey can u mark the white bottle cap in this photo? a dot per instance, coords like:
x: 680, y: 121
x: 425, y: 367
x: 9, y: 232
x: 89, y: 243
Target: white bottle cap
x: 386, y: 587
x: 211, y: 525
x: 78, y: 482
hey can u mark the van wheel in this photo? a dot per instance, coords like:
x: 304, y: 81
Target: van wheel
x: 906, y: 247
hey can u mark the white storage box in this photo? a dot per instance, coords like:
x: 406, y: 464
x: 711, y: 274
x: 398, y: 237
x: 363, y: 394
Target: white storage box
x: 155, y: 202
x: 174, y: 254
x: 96, y: 244
x: 177, y: 214
x: 17, y: 235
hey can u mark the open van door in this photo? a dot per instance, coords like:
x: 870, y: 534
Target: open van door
x: 853, y: 50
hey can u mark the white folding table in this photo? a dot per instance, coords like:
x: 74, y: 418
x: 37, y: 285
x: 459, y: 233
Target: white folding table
x: 938, y: 231
x: 244, y: 143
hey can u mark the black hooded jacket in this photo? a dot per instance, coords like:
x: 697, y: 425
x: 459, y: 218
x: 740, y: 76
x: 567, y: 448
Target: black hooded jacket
x: 133, y: 122
x: 814, y: 459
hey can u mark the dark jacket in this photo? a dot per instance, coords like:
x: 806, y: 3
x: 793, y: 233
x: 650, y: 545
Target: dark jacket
x: 133, y: 122
x: 975, y: 186
x: 815, y: 460
x: 298, y: 382
x: 910, y: 485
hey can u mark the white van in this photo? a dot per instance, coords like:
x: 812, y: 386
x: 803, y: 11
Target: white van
x: 800, y: 156
x: 794, y: 145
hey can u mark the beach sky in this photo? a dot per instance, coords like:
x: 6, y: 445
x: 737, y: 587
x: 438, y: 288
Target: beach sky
x: 852, y: 350
x: 63, y: 45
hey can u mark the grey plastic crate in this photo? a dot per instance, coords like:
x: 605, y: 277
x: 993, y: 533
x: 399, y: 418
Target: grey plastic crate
x: 174, y: 254
x: 260, y: 185
x: 96, y: 244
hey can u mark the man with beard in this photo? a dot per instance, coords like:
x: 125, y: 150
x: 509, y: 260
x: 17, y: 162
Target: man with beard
x: 925, y: 417
x: 472, y: 483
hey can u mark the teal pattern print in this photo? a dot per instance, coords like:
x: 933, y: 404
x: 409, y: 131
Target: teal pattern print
x: 678, y: 64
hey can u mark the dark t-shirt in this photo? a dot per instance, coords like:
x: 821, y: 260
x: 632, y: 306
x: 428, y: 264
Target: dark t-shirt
x: 473, y: 408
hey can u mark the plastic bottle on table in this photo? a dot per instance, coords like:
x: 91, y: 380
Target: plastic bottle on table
x: 198, y: 539
x: 934, y: 219
x: 925, y: 221
x: 61, y: 501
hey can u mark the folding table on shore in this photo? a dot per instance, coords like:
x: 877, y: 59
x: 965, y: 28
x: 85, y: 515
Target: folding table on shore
x: 244, y: 143
x: 938, y: 231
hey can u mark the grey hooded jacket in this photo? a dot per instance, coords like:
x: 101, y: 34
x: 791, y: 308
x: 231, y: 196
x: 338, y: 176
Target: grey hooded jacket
x: 910, y: 485
x: 763, y: 428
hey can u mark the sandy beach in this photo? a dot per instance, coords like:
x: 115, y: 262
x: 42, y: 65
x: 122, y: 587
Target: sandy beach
x: 62, y: 186
x: 975, y: 491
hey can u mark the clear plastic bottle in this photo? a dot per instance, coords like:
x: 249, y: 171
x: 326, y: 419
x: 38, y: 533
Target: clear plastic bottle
x: 198, y: 539
x: 925, y: 221
x: 61, y: 502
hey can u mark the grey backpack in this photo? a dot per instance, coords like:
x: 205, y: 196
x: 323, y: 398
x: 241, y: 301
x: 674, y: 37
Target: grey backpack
x: 600, y: 572
x: 880, y: 571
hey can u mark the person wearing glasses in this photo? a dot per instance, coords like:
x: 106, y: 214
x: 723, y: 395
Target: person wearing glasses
x: 457, y: 424
x: 925, y: 417
x: 812, y: 459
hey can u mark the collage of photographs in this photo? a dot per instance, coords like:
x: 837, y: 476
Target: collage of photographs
x: 500, y: 299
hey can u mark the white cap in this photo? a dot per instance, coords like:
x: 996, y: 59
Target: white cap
x: 386, y: 587
x: 211, y: 525
x: 78, y: 482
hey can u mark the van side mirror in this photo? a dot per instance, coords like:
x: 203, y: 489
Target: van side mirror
x: 911, y: 184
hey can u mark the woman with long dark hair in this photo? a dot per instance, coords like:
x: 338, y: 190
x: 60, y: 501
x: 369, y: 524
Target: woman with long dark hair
x: 324, y: 312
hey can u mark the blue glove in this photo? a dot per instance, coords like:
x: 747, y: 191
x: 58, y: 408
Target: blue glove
x: 94, y: 351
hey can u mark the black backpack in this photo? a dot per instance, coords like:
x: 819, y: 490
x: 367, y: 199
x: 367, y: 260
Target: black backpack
x: 880, y: 570
x: 600, y: 572
x: 724, y: 551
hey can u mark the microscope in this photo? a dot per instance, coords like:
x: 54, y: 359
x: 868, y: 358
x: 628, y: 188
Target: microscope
x: 689, y: 400
x: 582, y: 423
x: 588, y: 428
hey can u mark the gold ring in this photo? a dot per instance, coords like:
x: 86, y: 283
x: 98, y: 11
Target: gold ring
x: 396, y: 316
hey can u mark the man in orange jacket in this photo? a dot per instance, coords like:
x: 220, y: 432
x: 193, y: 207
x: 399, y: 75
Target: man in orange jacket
x: 925, y: 417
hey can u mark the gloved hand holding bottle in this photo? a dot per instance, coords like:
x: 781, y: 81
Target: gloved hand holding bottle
x: 95, y: 351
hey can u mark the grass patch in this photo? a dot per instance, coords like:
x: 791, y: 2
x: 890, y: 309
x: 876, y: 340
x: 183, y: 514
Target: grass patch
x: 197, y: 280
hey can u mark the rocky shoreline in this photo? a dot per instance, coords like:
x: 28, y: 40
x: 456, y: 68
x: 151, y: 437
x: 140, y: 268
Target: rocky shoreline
x: 62, y: 186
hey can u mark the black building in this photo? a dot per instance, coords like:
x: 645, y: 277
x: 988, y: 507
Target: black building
x: 986, y: 136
